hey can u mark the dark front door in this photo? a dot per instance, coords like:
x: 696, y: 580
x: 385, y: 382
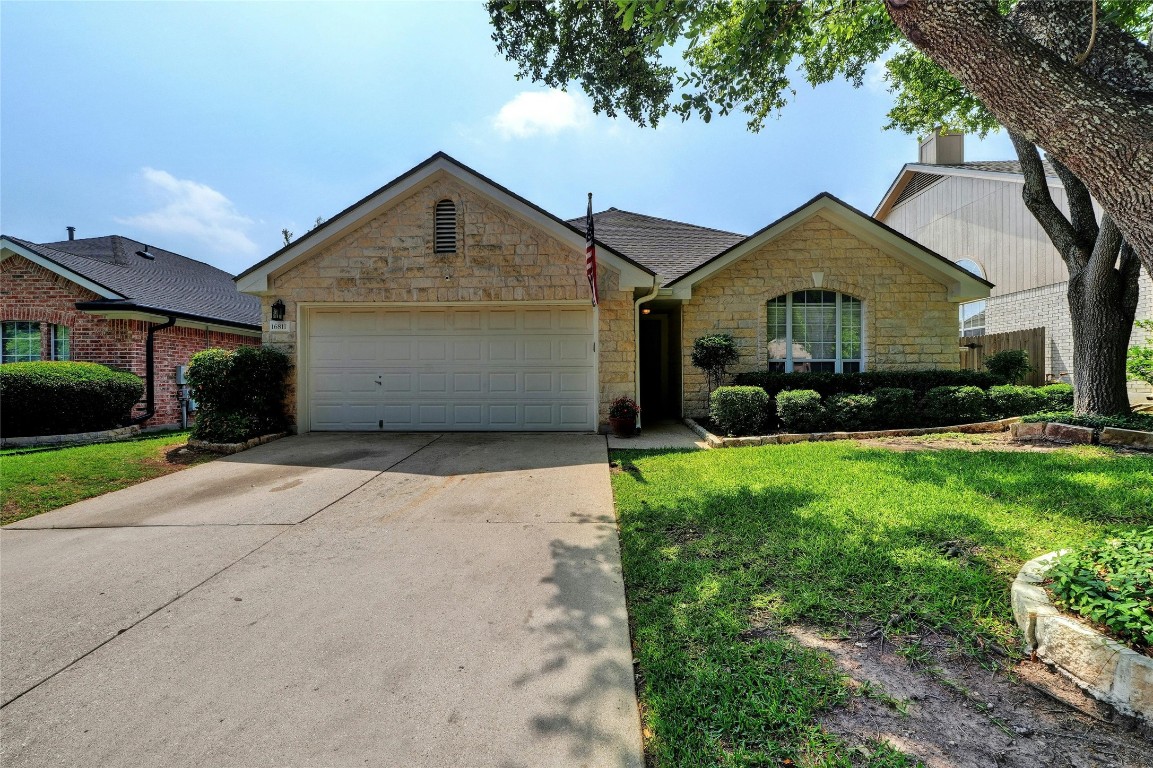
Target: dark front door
x: 656, y: 401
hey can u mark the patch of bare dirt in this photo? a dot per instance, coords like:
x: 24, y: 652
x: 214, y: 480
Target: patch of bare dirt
x: 949, y: 710
x: 952, y: 441
x: 183, y: 455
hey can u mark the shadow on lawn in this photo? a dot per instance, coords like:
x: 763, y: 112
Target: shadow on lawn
x: 1089, y: 488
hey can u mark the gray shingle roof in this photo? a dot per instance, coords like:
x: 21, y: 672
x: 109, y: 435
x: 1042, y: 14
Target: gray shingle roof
x: 669, y: 248
x: 170, y: 282
x: 998, y: 166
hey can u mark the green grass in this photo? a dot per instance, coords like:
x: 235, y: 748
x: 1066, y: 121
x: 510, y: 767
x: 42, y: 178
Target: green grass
x: 42, y: 480
x: 718, y: 543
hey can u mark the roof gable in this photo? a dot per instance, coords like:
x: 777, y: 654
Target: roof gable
x: 962, y: 285
x: 913, y: 175
x: 255, y: 278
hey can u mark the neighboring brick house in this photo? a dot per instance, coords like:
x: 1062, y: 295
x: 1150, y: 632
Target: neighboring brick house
x: 443, y: 301
x: 972, y: 213
x: 95, y: 300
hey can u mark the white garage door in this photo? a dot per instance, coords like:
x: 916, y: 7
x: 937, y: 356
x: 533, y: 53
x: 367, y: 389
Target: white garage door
x: 495, y: 368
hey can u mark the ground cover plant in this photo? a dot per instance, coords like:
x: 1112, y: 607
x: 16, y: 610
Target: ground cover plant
x: 1110, y: 582
x: 723, y: 548
x: 1139, y: 421
x: 32, y: 482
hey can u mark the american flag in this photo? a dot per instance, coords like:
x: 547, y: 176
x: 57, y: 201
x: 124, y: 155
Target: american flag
x: 591, y: 252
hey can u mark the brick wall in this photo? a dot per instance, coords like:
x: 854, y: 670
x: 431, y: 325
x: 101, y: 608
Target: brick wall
x: 29, y: 292
x: 500, y: 257
x: 908, y: 321
x: 1048, y: 307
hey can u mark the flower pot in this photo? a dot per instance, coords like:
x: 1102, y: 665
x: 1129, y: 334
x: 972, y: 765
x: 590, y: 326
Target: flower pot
x: 625, y: 426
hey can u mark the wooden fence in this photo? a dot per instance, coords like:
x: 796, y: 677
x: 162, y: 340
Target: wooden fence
x: 974, y: 350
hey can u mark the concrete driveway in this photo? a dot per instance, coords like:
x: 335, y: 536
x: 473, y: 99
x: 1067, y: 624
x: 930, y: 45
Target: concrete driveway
x: 327, y: 600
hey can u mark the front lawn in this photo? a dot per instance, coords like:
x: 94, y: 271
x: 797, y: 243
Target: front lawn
x: 722, y: 548
x: 43, y: 480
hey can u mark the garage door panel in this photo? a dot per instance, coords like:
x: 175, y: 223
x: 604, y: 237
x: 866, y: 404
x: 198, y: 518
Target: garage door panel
x: 491, y: 368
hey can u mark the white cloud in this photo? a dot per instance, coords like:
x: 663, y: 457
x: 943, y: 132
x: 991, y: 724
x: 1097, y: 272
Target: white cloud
x: 189, y: 208
x: 540, y: 112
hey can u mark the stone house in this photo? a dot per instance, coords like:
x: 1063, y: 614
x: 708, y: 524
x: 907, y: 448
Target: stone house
x: 972, y: 213
x: 444, y: 301
x: 108, y: 300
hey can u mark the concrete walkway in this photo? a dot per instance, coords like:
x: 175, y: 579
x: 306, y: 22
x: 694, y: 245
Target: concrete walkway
x: 659, y: 436
x: 415, y: 600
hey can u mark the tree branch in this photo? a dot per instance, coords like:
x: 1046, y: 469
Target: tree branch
x: 1103, y: 257
x: 1081, y: 213
x: 1040, y: 203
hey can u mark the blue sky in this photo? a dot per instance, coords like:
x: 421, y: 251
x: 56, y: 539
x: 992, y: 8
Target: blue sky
x: 206, y: 128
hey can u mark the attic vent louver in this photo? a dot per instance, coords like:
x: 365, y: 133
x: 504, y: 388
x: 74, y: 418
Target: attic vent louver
x: 445, y: 227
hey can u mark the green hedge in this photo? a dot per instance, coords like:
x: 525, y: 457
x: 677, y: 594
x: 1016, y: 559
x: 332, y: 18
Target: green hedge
x: 1110, y: 582
x: 955, y: 405
x: 240, y: 394
x: 59, y: 398
x: 863, y: 383
x: 896, y: 407
x: 1140, y: 421
x: 801, y: 410
x: 852, y: 413
x: 740, y: 410
x: 1058, y: 397
x: 1015, y: 401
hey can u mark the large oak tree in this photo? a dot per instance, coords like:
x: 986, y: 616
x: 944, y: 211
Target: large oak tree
x: 1071, y: 77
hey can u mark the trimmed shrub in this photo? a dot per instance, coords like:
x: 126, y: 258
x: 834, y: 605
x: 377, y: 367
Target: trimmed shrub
x: 852, y: 412
x: 895, y: 407
x: 1139, y: 359
x: 60, y: 398
x: 800, y: 410
x: 1011, y: 365
x: 955, y: 405
x: 1010, y: 400
x: 240, y: 393
x: 1058, y: 397
x: 740, y: 410
x: 865, y: 382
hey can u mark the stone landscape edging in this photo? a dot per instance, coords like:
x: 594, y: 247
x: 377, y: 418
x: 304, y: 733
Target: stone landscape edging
x: 1104, y: 668
x: 230, y: 448
x: 715, y: 441
x: 1068, y: 433
x: 77, y: 438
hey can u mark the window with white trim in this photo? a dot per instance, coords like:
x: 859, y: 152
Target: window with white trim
x: 61, y: 348
x: 971, y: 314
x: 444, y: 221
x: 21, y: 341
x: 815, y: 331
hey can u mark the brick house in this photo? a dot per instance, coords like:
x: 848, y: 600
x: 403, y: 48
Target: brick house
x: 444, y: 301
x: 109, y: 299
x: 972, y: 213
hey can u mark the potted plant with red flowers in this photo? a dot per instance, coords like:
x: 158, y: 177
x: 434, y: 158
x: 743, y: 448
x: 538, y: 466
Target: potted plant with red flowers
x: 623, y: 416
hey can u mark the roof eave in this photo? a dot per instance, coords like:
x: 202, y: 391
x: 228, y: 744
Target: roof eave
x: 11, y: 247
x: 127, y: 305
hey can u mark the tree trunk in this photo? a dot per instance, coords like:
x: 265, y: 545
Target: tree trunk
x: 1102, y: 322
x: 1101, y: 131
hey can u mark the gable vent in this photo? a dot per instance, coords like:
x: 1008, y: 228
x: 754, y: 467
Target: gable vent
x: 919, y: 183
x: 445, y: 227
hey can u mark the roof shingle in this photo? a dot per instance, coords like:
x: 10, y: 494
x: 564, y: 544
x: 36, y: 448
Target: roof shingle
x: 669, y: 248
x: 170, y: 282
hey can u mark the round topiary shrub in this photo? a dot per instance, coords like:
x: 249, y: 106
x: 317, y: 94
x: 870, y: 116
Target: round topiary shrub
x: 240, y: 393
x: 800, y: 410
x: 895, y: 407
x: 61, y: 398
x: 1015, y: 401
x: 852, y: 412
x: 740, y: 410
x: 955, y: 405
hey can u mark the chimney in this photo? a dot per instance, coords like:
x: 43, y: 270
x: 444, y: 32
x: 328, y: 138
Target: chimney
x: 941, y: 148
x: 71, y: 233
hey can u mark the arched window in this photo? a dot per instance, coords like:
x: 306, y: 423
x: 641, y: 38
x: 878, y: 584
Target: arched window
x: 444, y: 221
x: 815, y: 331
x: 971, y: 314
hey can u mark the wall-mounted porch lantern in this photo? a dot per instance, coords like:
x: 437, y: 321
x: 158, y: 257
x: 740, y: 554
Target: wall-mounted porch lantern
x: 277, y: 311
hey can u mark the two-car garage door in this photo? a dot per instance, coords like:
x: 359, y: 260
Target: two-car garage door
x: 451, y: 368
